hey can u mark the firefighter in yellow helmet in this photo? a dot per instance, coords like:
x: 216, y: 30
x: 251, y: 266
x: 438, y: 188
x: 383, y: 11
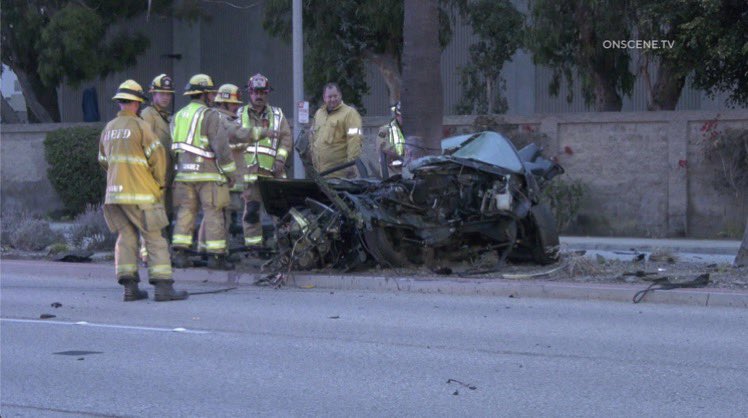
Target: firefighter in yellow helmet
x: 392, y: 142
x: 336, y: 133
x: 204, y: 173
x: 135, y: 163
x: 266, y: 157
x: 228, y: 100
x: 158, y: 115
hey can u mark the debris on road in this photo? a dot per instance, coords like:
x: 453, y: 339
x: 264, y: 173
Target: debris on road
x: 667, y: 283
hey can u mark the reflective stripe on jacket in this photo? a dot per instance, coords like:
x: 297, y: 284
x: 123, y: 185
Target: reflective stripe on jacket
x: 187, y: 131
x: 201, y: 145
x: 260, y: 156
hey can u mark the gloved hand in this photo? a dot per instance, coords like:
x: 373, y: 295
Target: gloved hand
x: 279, y: 167
x: 231, y: 180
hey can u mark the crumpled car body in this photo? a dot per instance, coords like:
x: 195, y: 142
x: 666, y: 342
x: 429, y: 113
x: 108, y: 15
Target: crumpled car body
x: 480, y: 195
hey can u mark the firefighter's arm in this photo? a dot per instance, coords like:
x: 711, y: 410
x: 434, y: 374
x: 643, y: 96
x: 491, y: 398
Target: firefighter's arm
x: 102, y: 156
x: 219, y: 143
x: 285, y: 140
x: 172, y: 127
x: 155, y: 154
x: 148, y: 117
x: 353, y: 135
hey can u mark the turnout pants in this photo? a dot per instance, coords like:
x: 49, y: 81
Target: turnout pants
x: 189, y: 197
x: 129, y: 221
x: 252, y: 215
x: 235, y: 206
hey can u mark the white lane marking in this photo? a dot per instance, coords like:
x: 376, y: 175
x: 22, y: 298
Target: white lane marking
x: 89, y: 324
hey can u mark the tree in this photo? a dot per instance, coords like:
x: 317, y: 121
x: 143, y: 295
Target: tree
x: 741, y: 259
x: 422, y: 102
x: 499, y: 26
x: 48, y: 42
x: 342, y: 37
x: 568, y: 35
x: 664, y: 20
x: 708, y: 41
x: 717, y: 36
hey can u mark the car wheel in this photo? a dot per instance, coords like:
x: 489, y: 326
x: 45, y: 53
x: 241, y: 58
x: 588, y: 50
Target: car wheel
x: 545, y: 246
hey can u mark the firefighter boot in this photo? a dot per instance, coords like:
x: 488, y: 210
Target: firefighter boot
x: 219, y: 262
x: 180, y: 259
x: 165, y: 291
x: 132, y: 292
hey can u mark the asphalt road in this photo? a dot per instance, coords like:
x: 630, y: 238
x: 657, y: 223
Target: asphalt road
x: 262, y: 352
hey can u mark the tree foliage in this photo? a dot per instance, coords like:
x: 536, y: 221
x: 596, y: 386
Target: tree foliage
x: 709, y: 43
x: 499, y: 27
x: 716, y: 36
x: 568, y: 35
x: 341, y: 37
x: 664, y: 20
x: 48, y: 42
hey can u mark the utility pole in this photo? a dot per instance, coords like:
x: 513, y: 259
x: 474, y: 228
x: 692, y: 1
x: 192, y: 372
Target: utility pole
x: 298, y: 82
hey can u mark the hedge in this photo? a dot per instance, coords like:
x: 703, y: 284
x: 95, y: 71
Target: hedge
x: 74, y: 170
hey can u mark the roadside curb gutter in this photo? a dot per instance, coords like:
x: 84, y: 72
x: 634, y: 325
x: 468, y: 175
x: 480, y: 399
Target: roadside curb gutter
x: 431, y: 285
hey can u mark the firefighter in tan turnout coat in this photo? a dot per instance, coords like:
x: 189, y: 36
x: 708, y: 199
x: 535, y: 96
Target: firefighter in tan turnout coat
x: 264, y: 158
x: 135, y: 163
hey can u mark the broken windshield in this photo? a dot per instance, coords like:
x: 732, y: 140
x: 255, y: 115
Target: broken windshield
x: 487, y: 147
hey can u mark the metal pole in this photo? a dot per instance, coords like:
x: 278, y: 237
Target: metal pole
x: 298, y: 81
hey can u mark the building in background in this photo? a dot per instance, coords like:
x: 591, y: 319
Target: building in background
x: 182, y: 49
x: 14, y: 105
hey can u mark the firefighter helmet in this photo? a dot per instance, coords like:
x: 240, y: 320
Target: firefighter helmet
x: 162, y: 84
x: 199, y: 84
x: 259, y: 82
x: 228, y: 93
x: 395, y: 109
x: 131, y: 91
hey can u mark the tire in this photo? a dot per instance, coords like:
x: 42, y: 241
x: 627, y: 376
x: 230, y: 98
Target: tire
x: 546, y: 245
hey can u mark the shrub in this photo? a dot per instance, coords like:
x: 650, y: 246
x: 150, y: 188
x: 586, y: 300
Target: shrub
x: 565, y: 199
x: 74, y: 171
x: 729, y: 149
x: 9, y: 222
x: 90, y: 232
x: 33, y: 234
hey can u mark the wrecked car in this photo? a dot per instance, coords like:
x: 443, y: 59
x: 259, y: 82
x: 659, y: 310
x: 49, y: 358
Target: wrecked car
x: 480, y: 195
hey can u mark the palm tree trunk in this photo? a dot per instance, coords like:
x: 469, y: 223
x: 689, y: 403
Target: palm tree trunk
x: 742, y: 258
x: 422, y: 96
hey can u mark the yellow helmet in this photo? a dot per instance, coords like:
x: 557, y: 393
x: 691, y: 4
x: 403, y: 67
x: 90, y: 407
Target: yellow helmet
x: 228, y: 93
x: 129, y: 90
x: 199, y: 84
x: 162, y: 84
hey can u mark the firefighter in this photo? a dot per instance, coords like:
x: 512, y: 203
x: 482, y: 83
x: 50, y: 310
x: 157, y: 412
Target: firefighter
x: 336, y: 134
x: 158, y: 115
x: 392, y: 146
x: 264, y: 158
x: 228, y: 101
x: 204, y: 174
x: 135, y: 163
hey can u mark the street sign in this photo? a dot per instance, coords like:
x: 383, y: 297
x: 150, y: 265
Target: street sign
x: 303, y: 107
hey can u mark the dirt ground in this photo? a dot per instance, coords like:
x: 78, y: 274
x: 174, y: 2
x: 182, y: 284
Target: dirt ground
x: 575, y: 267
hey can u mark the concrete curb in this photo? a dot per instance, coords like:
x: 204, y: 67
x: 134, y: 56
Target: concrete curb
x: 721, y: 247
x: 432, y: 285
